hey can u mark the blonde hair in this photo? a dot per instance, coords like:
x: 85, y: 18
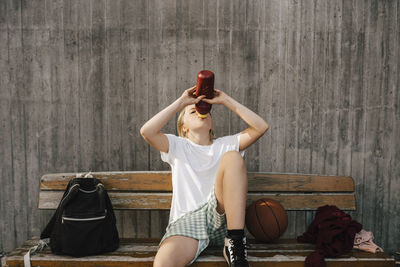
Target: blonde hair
x: 179, y: 126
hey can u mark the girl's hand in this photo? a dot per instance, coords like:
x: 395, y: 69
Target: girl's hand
x: 188, y: 97
x: 220, y: 98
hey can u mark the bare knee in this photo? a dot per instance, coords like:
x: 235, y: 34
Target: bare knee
x: 158, y: 260
x: 162, y: 261
x: 176, y: 251
x: 168, y: 260
x: 233, y: 157
x: 159, y: 263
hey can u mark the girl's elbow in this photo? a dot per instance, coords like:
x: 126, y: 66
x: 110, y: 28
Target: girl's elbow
x: 265, y: 128
x: 143, y: 132
x: 260, y: 131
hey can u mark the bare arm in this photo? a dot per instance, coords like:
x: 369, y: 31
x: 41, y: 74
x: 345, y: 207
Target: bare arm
x: 151, y: 130
x: 257, y: 125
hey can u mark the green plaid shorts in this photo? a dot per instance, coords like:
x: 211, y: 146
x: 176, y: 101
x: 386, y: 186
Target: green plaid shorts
x: 204, y: 224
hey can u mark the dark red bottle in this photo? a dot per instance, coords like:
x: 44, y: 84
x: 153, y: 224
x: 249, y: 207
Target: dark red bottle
x: 204, y: 86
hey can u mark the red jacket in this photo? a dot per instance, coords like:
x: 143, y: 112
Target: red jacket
x: 332, y: 231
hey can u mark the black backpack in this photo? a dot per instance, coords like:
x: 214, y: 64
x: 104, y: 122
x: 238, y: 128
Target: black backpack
x: 84, y: 222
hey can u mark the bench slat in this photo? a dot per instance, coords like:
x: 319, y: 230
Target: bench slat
x: 162, y: 201
x: 138, y: 252
x: 299, y: 183
x: 161, y: 181
x: 115, y: 181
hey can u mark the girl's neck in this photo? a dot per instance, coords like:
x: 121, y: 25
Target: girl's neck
x: 200, y: 139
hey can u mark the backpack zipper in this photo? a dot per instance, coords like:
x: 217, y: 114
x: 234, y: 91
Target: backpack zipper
x: 86, y: 191
x: 83, y: 219
x: 69, y: 192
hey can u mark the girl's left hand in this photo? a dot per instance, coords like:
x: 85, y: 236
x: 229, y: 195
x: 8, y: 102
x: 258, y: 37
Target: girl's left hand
x: 220, y: 98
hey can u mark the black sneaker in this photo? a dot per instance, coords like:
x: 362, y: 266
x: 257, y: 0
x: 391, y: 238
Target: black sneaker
x: 235, y: 252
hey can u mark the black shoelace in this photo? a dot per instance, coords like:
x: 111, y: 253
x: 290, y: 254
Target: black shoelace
x: 239, y: 250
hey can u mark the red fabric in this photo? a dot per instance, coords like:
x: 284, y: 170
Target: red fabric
x: 332, y: 231
x: 316, y: 259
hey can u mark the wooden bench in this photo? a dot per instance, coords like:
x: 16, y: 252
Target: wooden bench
x: 152, y: 191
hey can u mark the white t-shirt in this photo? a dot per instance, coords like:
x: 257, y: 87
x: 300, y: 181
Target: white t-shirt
x: 194, y: 169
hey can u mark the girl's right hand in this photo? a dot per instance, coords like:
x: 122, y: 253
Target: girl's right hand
x: 188, y: 97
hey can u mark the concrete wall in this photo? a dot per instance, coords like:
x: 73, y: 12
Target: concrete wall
x: 79, y: 78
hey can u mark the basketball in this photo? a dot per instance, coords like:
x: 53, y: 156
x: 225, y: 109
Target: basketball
x: 266, y: 219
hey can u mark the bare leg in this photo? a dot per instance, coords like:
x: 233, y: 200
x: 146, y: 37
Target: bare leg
x: 176, y: 251
x: 231, y: 189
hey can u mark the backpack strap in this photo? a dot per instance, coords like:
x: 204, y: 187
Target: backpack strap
x: 32, y: 251
x: 100, y: 192
x: 70, y: 193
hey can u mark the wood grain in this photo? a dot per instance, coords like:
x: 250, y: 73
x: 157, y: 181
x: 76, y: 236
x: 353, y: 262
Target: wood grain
x: 161, y: 181
x: 141, y: 252
x: 149, y: 201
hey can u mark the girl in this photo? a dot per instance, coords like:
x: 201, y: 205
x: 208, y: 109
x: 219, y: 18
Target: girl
x: 209, y: 180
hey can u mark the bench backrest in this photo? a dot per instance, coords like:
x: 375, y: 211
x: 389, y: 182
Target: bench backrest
x: 153, y: 189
